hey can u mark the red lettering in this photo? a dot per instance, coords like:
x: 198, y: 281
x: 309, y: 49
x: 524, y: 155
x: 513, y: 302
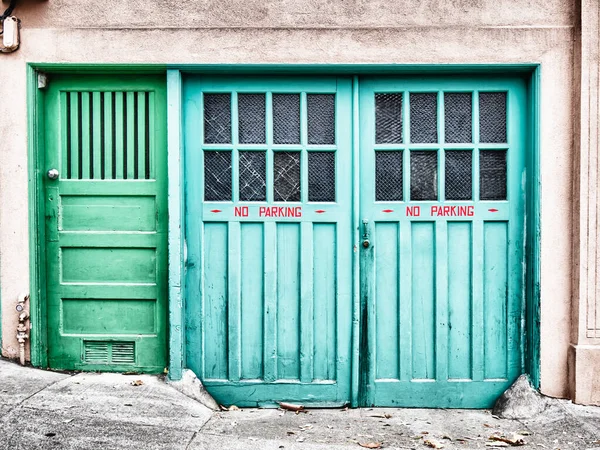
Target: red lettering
x: 261, y: 211
x: 298, y: 211
x: 413, y: 211
x: 434, y: 210
x: 470, y: 211
x: 240, y: 211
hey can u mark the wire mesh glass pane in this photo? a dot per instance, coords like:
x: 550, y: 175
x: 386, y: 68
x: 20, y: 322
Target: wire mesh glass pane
x: 217, y: 176
x: 321, y: 118
x: 251, y: 118
x: 321, y: 176
x: 458, y: 117
x: 286, y: 118
x: 492, y: 174
x: 286, y: 176
x: 388, y: 118
x: 423, y: 118
x: 423, y: 175
x: 388, y: 176
x: 217, y: 118
x: 459, y: 175
x: 253, y: 176
x: 492, y: 117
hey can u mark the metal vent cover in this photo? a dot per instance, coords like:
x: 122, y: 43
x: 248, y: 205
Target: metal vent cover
x: 108, y: 352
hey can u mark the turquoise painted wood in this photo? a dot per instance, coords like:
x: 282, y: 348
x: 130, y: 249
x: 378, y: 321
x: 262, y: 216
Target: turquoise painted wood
x: 106, y: 223
x: 442, y: 281
x: 268, y: 282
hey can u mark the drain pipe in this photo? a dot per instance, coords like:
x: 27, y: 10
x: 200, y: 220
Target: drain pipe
x: 22, y: 334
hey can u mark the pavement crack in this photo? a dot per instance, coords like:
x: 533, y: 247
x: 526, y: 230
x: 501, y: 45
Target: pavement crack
x: 192, y: 439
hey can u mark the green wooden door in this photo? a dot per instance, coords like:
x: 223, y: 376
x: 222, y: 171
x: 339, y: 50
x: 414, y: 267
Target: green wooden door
x: 106, y: 223
x: 442, y: 203
x: 269, y: 238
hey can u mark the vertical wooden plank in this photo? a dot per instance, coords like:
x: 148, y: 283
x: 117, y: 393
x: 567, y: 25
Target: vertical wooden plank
x: 495, y: 281
x: 234, y: 304
x: 131, y: 134
x: 288, y: 300
x: 459, y: 300
x: 119, y: 140
x: 98, y: 134
x: 307, y: 330
x: 405, y: 276
x: 386, y: 351
x: 441, y: 299
x: 86, y: 135
x: 356, y: 281
x: 324, y: 268
x: 176, y: 218
x: 477, y: 305
x: 252, y: 307
x: 215, y: 290
x: 423, y: 300
x: 270, y: 299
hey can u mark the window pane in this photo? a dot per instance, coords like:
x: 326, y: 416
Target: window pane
x: 492, y: 117
x: 321, y: 176
x: 253, y: 177
x: 217, y: 176
x: 388, y: 118
x: 492, y: 175
x: 286, y: 176
x: 459, y: 175
x: 321, y: 118
x: 458, y: 117
x: 423, y: 175
x: 388, y: 176
x: 423, y: 118
x: 217, y: 118
x: 251, y: 116
x: 286, y: 118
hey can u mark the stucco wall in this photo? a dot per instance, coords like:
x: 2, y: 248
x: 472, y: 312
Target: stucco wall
x: 297, y: 31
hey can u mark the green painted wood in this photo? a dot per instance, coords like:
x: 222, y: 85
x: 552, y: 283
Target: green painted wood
x: 442, y: 295
x: 105, y: 240
x: 269, y: 299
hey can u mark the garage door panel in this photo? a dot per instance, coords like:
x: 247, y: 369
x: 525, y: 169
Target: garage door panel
x: 268, y: 175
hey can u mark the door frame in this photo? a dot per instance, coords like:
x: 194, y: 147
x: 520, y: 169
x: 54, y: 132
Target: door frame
x: 176, y: 185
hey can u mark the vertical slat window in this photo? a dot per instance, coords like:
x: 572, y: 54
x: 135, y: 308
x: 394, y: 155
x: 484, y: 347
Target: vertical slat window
x: 107, y: 135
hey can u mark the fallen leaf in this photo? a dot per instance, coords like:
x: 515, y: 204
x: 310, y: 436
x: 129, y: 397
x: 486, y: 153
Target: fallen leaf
x: 233, y: 408
x: 289, y: 433
x: 223, y: 408
x: 137, y: 383
x: 487, y: 425
x: 305, y: 427
x: 291, y: 406
x: 433, y: 443
x: 370, y: 444
x: 514, y: 439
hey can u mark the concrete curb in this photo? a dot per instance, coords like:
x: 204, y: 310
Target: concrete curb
x: 191, y: 386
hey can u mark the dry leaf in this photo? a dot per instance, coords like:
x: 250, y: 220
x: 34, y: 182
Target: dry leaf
x: 137, y: 383
x: 514, y: 439
x: 289, y: 433
x: 223, y: 408
x: 233, y: 408
x: 370, y: 444
x: 291, y: 406
x: 433, y: 443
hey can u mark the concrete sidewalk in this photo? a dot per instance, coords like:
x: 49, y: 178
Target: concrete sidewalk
x: 46, y: 410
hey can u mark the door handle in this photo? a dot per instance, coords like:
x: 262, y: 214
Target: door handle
x: 365, y: 236
x: 52, y: 174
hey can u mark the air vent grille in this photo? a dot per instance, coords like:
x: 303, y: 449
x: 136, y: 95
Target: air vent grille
x: 108, y: 352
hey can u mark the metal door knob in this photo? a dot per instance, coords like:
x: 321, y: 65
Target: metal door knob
x: 366, y: 243
x: 53, y: 174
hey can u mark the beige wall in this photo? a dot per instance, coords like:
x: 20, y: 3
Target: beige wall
x: 308, y: 31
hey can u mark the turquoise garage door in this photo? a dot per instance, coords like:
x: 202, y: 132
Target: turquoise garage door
x: 420, y: 189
